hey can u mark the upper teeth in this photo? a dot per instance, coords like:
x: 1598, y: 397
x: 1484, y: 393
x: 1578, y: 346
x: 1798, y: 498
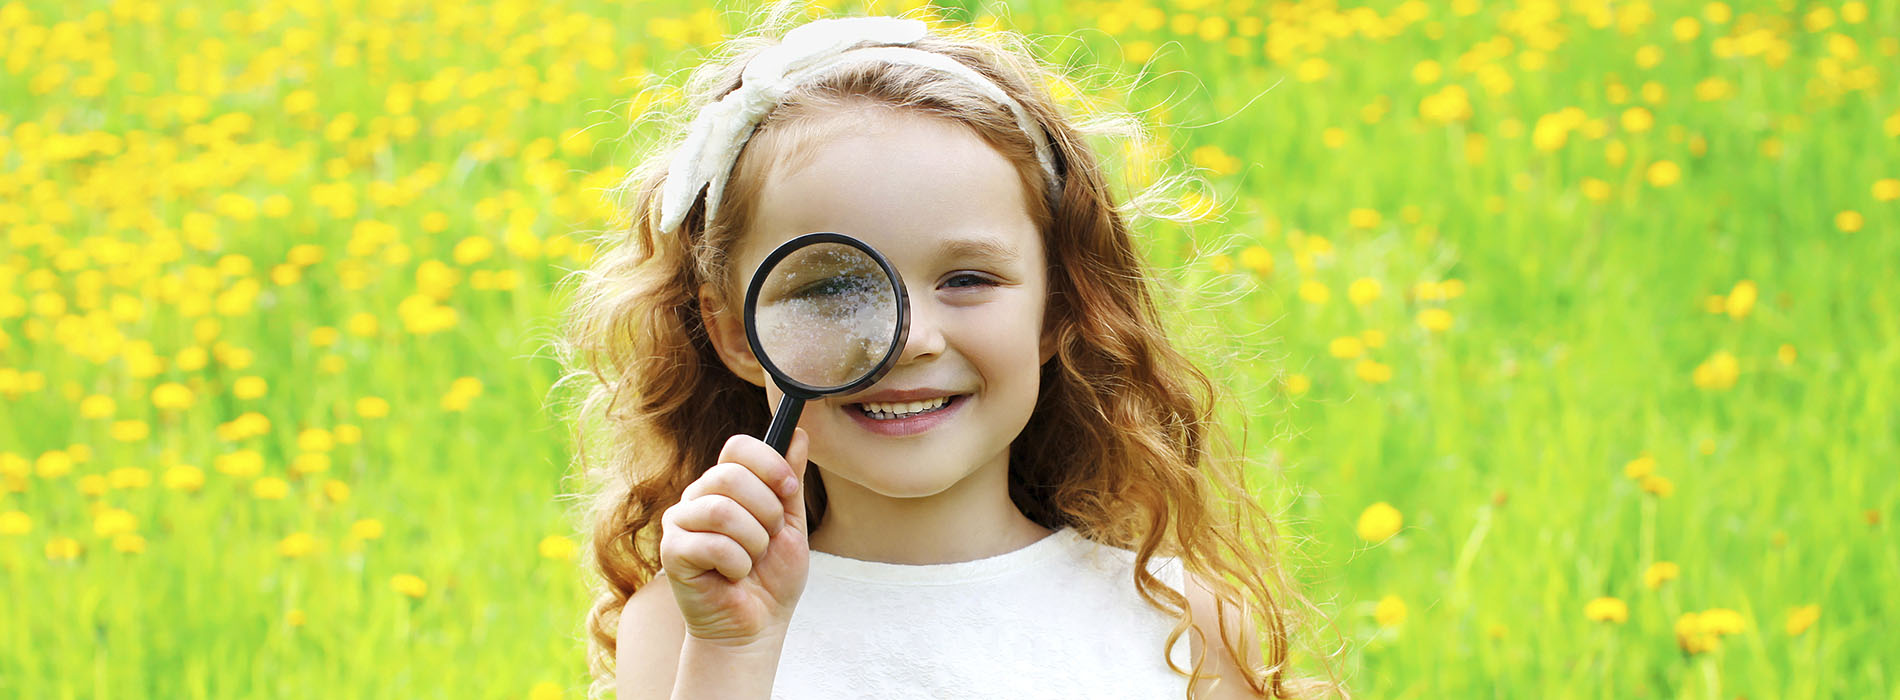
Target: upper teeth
x: 907, y: 406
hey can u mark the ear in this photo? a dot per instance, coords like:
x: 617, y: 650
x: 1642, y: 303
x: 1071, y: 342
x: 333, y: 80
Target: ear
x: 727, y: 332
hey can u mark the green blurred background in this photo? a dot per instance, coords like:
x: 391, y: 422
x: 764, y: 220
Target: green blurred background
x: 1563, y: 334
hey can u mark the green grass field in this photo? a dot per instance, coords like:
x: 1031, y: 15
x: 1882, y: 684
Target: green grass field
x: 1566, y: 334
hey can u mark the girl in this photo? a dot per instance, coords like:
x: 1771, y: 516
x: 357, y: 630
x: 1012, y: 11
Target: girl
x: 1027, y: 505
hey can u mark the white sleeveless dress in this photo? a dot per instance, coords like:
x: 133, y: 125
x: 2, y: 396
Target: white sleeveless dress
x: 1059, y: 618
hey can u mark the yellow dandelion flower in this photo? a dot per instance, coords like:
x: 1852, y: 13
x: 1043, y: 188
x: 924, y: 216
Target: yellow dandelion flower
x: 124, y: 478
x: 1719, y: 372
x: 1642, y: 466
x: 296, y: 545
x: 1659, y: 573
x: 1346, y: 347
x: 1364, y: 218
x: 253, y: 423
x: 1315, y: 293
x: 1364, y: 291
x: 1297, y: 384
x: 1663, y: 173
x: 1741, y: 299
x: 310, y: 463
x: 93, y: 485
x: 1379, y: 521
x: 184, y: 477
x: 366, y: 529
x: 1221, y: 263
x: 129, y: 543
x: 1849, y: 221
x: 1637, y: 120
x: 112, y: 521
x: 270, y: 488
x: 336, y: 491
x: 53, y: 464
x: 1785, y: 354
x: 315, y: 440
x: 1373, y: 371
x: 372, y: 407
x: 1659, y: 485
x: 14, y: 522
x: 241, y: 464
x: 545, y: 690
x: 1313, y: 69
x: 473, y: 249
x: 1435, y: 320
x: 1723, y: 621
x: 409, y: 584
x: 1390, y: 611
x: 1607, y: 610
x: 347, y: 434
x: 130, y: 430
x: 295, y: 618
x: 63, y: 548
x: 14, y: 466
x: 97, y: 406
x: 1257, y: 259
x: 556, y: 547
x: 249, y: 387
x: 1801, y: 618
x: 1886, y: 189
x: 362, y: 325
x: 1686, y: 29
x: 1717, y: 12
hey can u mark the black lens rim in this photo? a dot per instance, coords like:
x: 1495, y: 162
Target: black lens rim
x: 793, y: 387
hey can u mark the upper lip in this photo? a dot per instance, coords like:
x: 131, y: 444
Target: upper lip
x: 896, y: 396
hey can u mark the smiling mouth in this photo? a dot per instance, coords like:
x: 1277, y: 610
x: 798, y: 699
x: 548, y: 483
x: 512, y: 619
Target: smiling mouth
x: 899, y: 410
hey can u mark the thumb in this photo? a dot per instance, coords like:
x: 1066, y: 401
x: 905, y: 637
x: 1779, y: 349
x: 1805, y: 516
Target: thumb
x: 795, y: 456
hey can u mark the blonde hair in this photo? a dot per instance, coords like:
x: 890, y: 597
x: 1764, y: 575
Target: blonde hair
x: 1121, y: 444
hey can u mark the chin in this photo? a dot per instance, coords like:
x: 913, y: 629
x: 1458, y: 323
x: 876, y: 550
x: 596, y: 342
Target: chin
x: 920, y: 483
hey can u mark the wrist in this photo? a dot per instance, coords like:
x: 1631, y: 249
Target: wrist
x: 725, y: 670
x: 767, y: 644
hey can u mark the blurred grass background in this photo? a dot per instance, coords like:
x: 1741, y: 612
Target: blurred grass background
x: 1567, y: 330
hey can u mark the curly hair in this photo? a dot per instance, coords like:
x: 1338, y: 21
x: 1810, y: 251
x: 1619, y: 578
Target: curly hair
x: 1123, y: 445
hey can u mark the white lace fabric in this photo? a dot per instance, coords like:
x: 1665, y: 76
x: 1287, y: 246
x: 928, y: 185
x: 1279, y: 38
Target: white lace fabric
x: 1059, y: 618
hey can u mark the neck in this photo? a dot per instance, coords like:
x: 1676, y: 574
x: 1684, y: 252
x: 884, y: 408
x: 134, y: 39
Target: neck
x: 973, y: 519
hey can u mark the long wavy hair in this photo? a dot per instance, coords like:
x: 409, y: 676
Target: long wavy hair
x: 1123, y: 445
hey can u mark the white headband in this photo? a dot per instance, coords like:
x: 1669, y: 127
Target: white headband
x: 719, y: 132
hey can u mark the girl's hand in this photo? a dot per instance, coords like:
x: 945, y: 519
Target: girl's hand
x: 735, y: 546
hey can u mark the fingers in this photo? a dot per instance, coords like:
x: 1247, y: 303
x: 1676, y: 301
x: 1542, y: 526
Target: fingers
x: 712, y: 532
x: 742, y: 487
x: 759, y: 457
x: 795, y: 455
x: 726, y: 518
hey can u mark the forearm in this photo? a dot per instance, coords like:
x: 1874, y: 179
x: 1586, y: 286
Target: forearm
x: 709, y: 671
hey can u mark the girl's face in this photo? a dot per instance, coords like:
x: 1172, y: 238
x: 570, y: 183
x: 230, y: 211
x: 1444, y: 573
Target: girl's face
x: 949, y: 213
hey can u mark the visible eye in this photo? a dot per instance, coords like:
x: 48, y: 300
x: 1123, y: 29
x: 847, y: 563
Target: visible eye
x: 830, y: 287
x: 967, y: 279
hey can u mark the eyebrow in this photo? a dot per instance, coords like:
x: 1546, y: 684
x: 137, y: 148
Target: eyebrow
x: 982, y: 247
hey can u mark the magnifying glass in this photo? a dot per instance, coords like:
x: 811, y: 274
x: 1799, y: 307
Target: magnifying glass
x: 825, y: 314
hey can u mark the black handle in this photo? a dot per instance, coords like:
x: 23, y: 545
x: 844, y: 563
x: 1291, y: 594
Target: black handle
x: 779, y: 435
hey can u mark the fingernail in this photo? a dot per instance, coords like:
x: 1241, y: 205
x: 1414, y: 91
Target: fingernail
x: 789, y: 486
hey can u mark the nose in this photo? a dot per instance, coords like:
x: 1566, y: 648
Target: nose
x: 925, y: 338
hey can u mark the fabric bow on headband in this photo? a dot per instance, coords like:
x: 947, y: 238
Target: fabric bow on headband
x: 720, y: 131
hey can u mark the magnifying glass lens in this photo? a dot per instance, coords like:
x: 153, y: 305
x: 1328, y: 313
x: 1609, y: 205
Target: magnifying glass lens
x: 826, y: 315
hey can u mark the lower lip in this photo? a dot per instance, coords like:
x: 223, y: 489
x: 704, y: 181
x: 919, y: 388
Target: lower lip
x: 901, y: 427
